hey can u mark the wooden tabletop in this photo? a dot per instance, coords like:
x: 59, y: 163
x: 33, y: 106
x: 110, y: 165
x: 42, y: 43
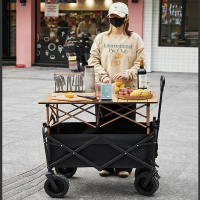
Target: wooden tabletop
x: 49, y: 100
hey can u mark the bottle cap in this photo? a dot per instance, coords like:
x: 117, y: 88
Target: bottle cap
x: 141, y: 62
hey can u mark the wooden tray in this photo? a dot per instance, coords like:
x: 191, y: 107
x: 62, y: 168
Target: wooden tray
x: 74, y: 99
x: 135, y: 97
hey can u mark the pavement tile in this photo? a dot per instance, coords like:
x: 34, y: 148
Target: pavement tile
x: 23, y: 148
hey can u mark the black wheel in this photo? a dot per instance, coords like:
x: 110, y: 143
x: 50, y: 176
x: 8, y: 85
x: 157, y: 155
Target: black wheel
x: 151, y: 187
x: 68, y: 172
x: 140, y: 170
x: 157, y: 183
x: 62, y: 183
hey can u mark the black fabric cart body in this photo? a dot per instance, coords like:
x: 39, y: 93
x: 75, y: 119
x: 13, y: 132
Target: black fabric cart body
x: 119, y: 143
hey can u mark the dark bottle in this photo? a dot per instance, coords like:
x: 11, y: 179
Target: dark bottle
x: 142, y: 77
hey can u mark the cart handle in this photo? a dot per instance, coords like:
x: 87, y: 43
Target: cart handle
x: 162, y: 85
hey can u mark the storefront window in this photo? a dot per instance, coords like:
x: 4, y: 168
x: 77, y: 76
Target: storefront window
x: 9, y: 30
x: 84, y: 16
x: 179, y: 23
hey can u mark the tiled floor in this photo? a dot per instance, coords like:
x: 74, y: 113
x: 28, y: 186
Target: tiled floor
x: 23, y: 150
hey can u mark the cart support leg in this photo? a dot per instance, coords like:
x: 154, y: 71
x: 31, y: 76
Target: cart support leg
x: 47, y: 111
x: 148, y: 116
x: 98, y: 116
x: 57, y: 118
x: 49, y: 176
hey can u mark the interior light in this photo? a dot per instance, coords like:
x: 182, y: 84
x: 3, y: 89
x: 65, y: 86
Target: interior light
x: 42, y: 7
x: 108, y: 3
x: 90, y: 3
x: 72, y: 5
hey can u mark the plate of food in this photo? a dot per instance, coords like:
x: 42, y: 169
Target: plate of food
x: 134, y: 94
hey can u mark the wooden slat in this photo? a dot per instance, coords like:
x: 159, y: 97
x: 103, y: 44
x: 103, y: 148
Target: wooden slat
x: 153, y: 99
x: 57, y: 118
x: 80, y: 107
x: 143, y: 101
x: 115, y: 99
x: 54, y: 101
x: 57, y: 123
x: 46, y: 99
x: 83, y: 110
x: 120, y: 115
x: 122, y: 100
x: 132, y: 101
x: 98, y: 115
x: 134, y: 121
x: 84, y: 122
x: 110, y: 121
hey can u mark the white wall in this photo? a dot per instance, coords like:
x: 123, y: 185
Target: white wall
x: 166, y: 59
x: 147, y: 32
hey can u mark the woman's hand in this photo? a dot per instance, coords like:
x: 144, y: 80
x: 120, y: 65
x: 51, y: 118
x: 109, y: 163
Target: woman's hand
x: 119, y: 76
x: 106, y: 80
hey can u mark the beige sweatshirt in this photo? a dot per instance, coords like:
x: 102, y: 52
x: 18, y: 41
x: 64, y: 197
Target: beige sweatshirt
x: 117, y: 54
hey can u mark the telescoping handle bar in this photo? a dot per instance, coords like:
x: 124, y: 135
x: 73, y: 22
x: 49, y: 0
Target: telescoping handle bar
x: 162, y: 85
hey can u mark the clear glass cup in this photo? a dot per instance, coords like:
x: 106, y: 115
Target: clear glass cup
x: 97, y: 89
x: 120, y: 83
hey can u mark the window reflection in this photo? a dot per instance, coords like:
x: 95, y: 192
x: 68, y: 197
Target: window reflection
x: 179, y: 23
x: 54, y: 32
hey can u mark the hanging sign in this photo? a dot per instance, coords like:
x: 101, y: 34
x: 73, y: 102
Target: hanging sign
x: 51, y: 8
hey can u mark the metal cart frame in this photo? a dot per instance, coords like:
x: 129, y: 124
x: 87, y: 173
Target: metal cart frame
x: 145, y: 173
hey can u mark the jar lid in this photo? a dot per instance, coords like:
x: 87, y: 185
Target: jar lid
x: 89, y: 66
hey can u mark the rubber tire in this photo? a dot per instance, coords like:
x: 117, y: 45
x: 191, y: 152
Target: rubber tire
x: 150, y: 189
x: 63, y: 184
x: 157, y: 183
x: 67, y: 172
x: 140, y: 170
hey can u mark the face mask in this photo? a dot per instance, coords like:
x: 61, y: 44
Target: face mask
x: 117, y: 22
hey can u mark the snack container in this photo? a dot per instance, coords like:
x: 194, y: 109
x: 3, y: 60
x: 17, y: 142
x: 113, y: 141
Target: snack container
x: 97, y: 88
x: 120, y: 83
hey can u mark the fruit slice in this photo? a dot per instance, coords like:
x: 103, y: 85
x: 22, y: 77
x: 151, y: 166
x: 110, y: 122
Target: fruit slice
x: 121, y: 93
x: 121, y: 86
x: 118, y: 83
x: 116, y: 89
x: 135, y: 93
x: 69, y: 95
x: 145, y: 92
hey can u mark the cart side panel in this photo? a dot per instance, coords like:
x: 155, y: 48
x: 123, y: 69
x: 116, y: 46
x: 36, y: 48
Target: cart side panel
x: 99, y: 151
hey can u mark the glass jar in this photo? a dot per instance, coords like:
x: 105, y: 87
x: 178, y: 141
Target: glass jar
x: 120, y: 83
x: 97, y: 89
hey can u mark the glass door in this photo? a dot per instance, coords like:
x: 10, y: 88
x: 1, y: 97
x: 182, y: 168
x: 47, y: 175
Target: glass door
x: 9, y: 29
x: 73, y: 18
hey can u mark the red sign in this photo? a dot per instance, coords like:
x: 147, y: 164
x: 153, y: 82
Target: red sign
x: 51, y: 8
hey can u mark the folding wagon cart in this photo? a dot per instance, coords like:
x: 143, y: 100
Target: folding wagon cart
x: 118, y: 143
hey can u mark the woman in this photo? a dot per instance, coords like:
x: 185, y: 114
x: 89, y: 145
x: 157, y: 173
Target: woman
x: 116, y: 54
